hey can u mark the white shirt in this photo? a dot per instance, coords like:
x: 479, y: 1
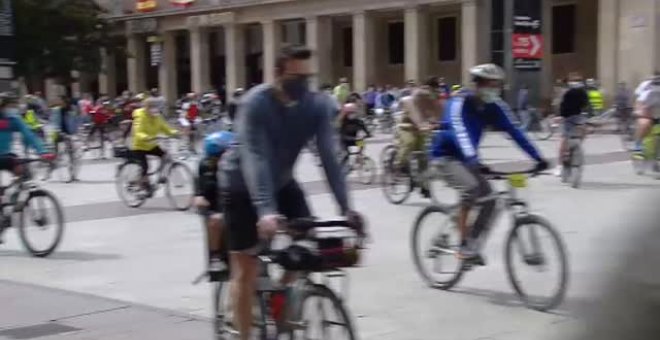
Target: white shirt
x: 643, y: 86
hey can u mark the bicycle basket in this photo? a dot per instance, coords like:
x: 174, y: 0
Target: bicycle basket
x: 121, y: 151
x: 327, y: 248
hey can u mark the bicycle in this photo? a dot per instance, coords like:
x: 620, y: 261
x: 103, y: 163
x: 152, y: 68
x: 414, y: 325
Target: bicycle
x: 398, y: 184
x: 358, y: 161
x: 573, y: 161
x: 18, y: 203
x: 172, y: 174
x: 319, y: 248
x: 650, y: 155
x: 522, y: 239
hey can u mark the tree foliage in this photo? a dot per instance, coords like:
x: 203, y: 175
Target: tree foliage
x: 54, y: 37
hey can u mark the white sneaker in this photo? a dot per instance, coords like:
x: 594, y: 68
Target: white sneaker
x: 557, y: 171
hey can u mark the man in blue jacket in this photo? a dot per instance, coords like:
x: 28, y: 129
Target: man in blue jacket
x: 455, y: 149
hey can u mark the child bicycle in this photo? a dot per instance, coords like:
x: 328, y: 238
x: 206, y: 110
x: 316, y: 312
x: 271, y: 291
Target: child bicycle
x: 522, y: 246
x: 320, y: 249
x: 359, y: 162
x: 174, y: 175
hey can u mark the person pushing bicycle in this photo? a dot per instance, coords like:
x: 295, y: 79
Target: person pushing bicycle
x: 455, y: 150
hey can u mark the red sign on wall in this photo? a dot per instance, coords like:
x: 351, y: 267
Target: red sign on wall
x: 527, y: 46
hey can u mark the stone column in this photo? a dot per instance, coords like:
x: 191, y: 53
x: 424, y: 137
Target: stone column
x: 135, y: 65
x: 469, y: 48
x: 272, y: 39
x: 319, y: 39
x: 608, y: 38
x: 416, y: 53
x: 167, y: 75
x: 235, y: 57
x: 200, y: 60
x: 363, y: 51
x: 108, y: 76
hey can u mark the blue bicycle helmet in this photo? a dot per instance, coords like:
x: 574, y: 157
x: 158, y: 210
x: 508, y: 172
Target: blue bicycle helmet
x: 217, y: 143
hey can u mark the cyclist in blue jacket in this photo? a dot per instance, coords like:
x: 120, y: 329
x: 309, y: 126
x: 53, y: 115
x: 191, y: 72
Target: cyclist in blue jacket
x: 455, y: 149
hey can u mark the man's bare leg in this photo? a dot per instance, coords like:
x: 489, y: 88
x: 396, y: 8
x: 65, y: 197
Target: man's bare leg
x: 244, y: 276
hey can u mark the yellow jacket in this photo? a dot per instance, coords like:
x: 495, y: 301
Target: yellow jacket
x: 31, y: 120
x: 146, y: 128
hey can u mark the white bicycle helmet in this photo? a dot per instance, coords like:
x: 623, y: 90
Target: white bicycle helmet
x: 488, y: 71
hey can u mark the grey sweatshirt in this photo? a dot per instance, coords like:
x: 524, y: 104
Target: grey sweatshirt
x: 270, y: 137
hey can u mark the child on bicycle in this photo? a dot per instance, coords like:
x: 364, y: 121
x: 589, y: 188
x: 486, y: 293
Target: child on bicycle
x: 207, y: 200
x: 349, y: 127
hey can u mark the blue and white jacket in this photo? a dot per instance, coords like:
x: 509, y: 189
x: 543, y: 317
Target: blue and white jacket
x: 463, y: 125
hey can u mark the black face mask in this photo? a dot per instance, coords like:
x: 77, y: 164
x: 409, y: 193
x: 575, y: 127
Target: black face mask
x: 296, y: 88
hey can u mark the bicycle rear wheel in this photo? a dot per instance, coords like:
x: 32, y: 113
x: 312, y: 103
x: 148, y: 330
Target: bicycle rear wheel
x: 543, y: 130
x: 321, y: 314
x: 577, y: 165
x: 180, y: 186
x: 436, y: 239
x: 41, y: 212
x: 525, y: 244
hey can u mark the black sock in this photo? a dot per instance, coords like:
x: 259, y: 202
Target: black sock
x: 215, y: 255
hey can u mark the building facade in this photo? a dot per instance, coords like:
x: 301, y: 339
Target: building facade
x: 194, y: 46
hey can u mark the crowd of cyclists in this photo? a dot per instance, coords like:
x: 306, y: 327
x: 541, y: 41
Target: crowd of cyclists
x: 246, y: 183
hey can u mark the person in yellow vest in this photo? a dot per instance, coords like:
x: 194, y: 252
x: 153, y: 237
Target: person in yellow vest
x: 596, y: 101
x: 148, y: 124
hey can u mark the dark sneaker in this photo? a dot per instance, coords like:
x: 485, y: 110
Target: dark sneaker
x: 479, y: 260
x: 467, y: 253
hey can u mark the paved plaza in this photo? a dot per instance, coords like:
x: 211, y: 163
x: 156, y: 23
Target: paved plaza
x: 124, y: 273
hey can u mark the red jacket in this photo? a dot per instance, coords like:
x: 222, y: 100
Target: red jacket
x: 193, y: 112
x: 101, y: 115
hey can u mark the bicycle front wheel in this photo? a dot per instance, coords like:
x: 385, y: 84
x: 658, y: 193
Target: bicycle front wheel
x: 321, y: 315
x: 129, y: 186
x: 41, y: 223
x: 222, y: 323
x: 367, y: 171
x: 387, y: 156
x: 534, y: 243
x: 397, y: 186
x: 544, y: 130
x: 180, y: 186
x: 435, y: 242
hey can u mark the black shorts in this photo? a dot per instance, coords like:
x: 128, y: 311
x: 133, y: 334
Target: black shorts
x: 141, y: 157
x: 241, y: 216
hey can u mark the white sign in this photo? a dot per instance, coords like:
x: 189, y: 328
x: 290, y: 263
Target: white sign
x: 214, y: 19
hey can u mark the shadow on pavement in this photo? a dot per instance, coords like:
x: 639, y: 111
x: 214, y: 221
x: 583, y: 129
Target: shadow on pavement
x: 81, y: 256
x: 596, y: 186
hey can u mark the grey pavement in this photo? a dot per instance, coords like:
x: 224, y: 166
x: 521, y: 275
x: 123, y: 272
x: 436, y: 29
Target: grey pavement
x: 118, y: 266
